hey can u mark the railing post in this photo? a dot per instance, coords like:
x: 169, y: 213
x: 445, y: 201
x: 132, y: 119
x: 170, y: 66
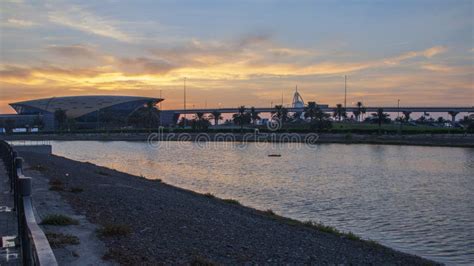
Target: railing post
x: 19, y: 164
x: 24, y: 191
x: 16, y: 166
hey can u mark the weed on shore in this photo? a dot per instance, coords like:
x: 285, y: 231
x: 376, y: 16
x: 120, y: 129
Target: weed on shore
x: 209, y: 195
x: 270, y: 212
x: 59, y: 240
x: 56, y: 185
x: 76, y: 189
x: 58, y: 219
x: 232, y: 201
x: 100, y: 172
x: 114, y: 230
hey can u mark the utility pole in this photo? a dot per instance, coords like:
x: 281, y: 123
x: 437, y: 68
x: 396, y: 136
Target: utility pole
x: 184, y: 102
x: 282, y: 97
x: 398, y: 117
x: 345, y: 92
x: 398, y: 109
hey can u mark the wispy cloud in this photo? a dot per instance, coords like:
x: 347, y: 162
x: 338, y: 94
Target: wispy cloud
x: 434, y: 51
x: 80, y: 19
x: 82, y: 51
x: 19, y: 23
x: 428, y: 53
x: 437, y: 68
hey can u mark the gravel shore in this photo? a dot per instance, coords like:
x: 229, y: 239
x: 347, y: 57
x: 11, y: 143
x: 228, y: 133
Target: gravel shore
x: 169, y: 225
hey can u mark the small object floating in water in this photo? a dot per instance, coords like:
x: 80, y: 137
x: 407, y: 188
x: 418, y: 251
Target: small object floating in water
x: 274, y: 155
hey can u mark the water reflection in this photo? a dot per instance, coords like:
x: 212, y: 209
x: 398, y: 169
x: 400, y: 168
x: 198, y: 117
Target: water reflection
x: 416, y: 199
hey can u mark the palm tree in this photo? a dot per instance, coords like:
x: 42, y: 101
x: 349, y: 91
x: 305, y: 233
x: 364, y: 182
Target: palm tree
x: 358, y: 112
x: 216, y: 115
x: 152, y: 115
x: 407, y: 115
x: 254, y: 115
x: 60, y: 117
x: 241, y: 117
x: 339, y: 112
x: 147, y: 116
x: 310, y: 111
x: 321, y: 119
x: 380, y: 117
x: 281, y: 113
x: 201, y: 121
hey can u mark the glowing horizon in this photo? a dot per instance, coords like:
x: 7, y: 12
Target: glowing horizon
x: 239, y: 53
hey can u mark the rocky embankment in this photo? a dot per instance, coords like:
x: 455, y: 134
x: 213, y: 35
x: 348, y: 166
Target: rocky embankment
x: 149, y: 222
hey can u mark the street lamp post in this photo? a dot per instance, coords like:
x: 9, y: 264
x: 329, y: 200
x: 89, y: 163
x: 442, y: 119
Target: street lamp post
x: 184, y: 102
x: 398, y: 117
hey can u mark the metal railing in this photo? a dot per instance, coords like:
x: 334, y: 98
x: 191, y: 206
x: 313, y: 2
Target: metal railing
x: 35, y: 248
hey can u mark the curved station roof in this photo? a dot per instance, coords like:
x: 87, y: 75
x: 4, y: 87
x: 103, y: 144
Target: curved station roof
x: 76, y: 106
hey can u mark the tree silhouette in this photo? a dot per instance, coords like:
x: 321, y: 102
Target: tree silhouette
x: 254, y: 115
x: 280, y: 113
x: 242, y: 117
x: 216, y: 115
x: 380, y: 117
x: 60, y: 117
x: 340, y: 112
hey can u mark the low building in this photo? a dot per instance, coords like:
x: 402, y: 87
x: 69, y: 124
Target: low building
x: 83, y: 111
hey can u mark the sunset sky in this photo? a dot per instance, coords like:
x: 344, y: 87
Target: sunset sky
x: 239, y: 52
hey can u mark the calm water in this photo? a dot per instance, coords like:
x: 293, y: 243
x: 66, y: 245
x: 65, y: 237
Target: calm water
x: 415, y: 199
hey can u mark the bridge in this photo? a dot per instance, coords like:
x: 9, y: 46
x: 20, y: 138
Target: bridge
x: 326, y: 108
x: 298, y: 106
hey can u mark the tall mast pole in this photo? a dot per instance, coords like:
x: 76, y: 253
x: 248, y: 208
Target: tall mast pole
x: 345, y: 91
x: 281, y: 97
x: 184, y: 101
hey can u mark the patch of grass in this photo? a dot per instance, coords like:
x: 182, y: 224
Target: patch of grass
x: 58, y: 219
x: 232, y: 201
x: 209, y: 195
x: 38, y: 167
x: 56, y: 185
x: 318, y: 226
x: 373, y: 243
x: 332, y: 230
x: 201, y: 261
x: 76, y: 190
x: 100, y: 172
x: 322, y: 227
x: 352, y: 236
x: 59, y: 240
x: 270, y: 212
x: 114, y: 230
